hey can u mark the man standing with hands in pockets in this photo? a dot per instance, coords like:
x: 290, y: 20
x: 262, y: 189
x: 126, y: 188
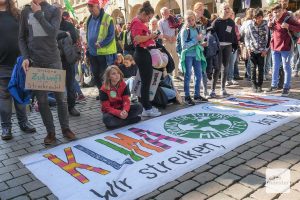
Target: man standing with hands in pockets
x: 39, y: 25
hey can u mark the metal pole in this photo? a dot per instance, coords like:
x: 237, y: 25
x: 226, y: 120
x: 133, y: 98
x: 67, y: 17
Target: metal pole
x: 125, y: 12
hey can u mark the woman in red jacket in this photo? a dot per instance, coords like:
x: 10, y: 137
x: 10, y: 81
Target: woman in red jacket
x: 115, y: 100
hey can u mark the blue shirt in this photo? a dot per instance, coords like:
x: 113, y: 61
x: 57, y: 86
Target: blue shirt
x: 193, y: 40
x: 93, y: 32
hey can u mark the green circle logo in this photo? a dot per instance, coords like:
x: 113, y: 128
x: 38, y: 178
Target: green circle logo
x: 205, y: 126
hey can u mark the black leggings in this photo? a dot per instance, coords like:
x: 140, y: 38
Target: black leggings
x: 112, y: 121
x: 224, y: 56
x: 143, y: 60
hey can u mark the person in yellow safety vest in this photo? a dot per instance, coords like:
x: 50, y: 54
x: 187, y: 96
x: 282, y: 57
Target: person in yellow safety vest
x: 102, y: 48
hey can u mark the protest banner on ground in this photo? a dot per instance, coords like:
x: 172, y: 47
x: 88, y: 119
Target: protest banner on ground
x: 129, y: 162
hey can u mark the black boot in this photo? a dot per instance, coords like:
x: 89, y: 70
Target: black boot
x: 27, y: 127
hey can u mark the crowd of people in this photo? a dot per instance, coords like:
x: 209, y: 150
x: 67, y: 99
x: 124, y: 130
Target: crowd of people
x: 200, y: 46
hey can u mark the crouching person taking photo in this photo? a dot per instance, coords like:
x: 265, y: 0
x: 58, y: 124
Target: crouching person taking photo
x: 115, y: 100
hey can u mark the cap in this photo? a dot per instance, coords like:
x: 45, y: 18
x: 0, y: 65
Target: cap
x: 93, y: 2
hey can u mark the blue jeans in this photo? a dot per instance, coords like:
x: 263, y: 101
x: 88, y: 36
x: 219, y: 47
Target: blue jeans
x: 268, y: 62
x: 190, y: 61
x: 232, y: 60
x: 283, y: 57
x: 297, y: 65
x: 6, y: 106
x: 171, y: 94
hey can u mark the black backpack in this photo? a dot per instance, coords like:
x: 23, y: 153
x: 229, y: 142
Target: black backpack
x: 160, y: 98
x: 69, y: 51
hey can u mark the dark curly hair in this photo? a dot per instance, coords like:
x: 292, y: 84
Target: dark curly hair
x: 146, y: 8
x: 12, y: 9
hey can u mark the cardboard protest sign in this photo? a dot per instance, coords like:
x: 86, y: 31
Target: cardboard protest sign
x: 45, y: 79
x: 137, y: 83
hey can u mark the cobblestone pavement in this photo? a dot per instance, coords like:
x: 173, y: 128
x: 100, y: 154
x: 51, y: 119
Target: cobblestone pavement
x: 239, y: 174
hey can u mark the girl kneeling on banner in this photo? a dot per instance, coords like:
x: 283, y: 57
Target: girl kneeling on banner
x: 192, y: 56
x: 115, y: 100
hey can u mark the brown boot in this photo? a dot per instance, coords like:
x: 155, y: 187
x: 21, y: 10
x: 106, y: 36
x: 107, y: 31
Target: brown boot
x: 67, y: 133
x: 50, y: 139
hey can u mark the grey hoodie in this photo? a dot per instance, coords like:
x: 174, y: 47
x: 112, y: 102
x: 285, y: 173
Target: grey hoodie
x: 37, y: 36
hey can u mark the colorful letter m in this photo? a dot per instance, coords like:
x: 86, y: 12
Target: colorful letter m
x: 71, y: 165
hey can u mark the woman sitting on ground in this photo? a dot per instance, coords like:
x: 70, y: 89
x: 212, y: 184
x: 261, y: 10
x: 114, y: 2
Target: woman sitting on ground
x: 115, y: 100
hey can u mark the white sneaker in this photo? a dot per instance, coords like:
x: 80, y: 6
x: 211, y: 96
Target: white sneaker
x: 153, y: 112
x: 234, y: 82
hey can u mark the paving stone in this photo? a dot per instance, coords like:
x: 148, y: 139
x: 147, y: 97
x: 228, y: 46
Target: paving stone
x: 247, y: 155
x: 186, y: 176
x: 296, y: 167
x: 253, y: 181
x: 256, y: 163
x: 230, y: 155
x: 12, y: 192
x: 204, y: 177
x: 17, y: 153
x: 168, y: 185
x: 261, y: 172
x: 290, y: 158
x: 18, y: 181
x: 20, y: 146
x: 220, y: 196
x: 271, y: 143
x: 281, y: 138
x: 149, y: 195
x: 268, y: 156
x: 210, y: 188
x: 20, y: 172
x: 296, y: 186
x: 296, y: 138
x: 203, y: 168
x: 296, y: 151
x: 292, y: 195
x: 234, y: 162
x: 264, y: 138
x: 3, y: 156
x: 283, y: 128
x: 5, y: 151
x: 241, y: 170
x: 219, y: 169
x: 39, y: 193
x: 227, y: 179
x: 5, y: 177
x: 274, y: 132
x: 8, y: 168
x: 262, y: 194
x: 10, y: 161
x: 290, y: 133
x: 194, y: 195
x: 186, y: 186
x: 295, y: 176
x: 168, y: 195
x: 259, y: 149
x: 22, y: 198
x: 289, y: 144
x: 278, y: 164
x: 35, y: 148
x: 238, y: 191
x: 279, y: 150
x: 3, y: 186
x: 34, y: 185
x: 216, y: 161
x: 52, y: 197
x: 243, y: 148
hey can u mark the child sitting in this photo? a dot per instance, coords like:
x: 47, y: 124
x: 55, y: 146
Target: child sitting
x: 120, y: 60
x: 114, y: 97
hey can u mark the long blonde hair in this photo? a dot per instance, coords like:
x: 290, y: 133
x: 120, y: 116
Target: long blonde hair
x: 106, y: 79
x: 188, y: 14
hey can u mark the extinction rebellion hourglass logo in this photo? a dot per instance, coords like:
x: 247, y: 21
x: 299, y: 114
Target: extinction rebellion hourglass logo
x: 205, y: 126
